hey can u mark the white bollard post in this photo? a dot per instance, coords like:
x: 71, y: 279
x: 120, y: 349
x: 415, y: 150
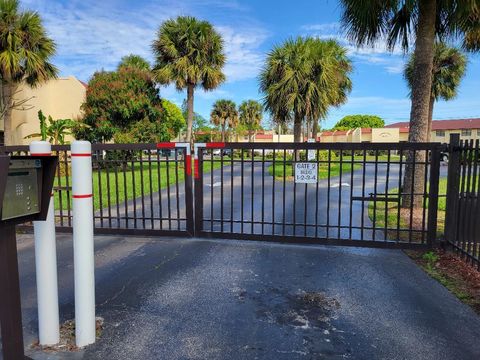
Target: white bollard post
x: 84, y: 264
x: 46, y: 265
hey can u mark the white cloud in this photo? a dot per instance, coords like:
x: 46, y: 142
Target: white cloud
x: 244, y: 58
x: 94, y: 35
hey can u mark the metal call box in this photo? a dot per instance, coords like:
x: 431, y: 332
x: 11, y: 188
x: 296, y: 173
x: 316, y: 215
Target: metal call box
x: 25, y: 187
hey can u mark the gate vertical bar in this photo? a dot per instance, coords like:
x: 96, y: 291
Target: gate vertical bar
x: 198, y: 172
x: 452, y: 187
x: 433, y: 195
x: 189, y: 191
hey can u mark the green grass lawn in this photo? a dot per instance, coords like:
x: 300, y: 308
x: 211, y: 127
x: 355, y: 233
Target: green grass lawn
x: 391, y: 211
x: 104, y: 179
x: 323, y: 169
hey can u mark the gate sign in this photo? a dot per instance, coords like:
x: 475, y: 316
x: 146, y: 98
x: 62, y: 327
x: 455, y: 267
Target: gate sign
x: 306, y: 173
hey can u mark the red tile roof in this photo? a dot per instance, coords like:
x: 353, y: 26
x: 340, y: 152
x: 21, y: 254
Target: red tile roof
x: 444, y: 124
x: 84, y: 84
x: 366, y: 130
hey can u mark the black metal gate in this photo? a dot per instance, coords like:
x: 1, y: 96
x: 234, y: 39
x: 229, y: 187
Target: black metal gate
x: 358, y: 198
x: 463, y: 201
x: 139, y: 189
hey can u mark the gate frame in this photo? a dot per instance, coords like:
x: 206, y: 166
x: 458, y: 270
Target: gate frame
x: 435, y: 149
x: 65, y: 225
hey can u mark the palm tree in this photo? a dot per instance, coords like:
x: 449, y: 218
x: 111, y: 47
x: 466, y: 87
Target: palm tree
x: 449, y: 64
x: 400, y: 21
x: 224, y: 114
x: 189, y: 53
x: 251, y: 114
x: 25, y: 50
x: 304, y: 77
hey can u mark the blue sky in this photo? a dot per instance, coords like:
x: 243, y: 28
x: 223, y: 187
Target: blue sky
x: 93, y: 35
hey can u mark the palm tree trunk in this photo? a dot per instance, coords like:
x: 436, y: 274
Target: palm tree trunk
x: 190, y: 88
x: 315, y: 130
x: 297, y: 129
x: 430, y: 118
x: 297, y: 134
x: 223, y: 132
x: 421, y: 94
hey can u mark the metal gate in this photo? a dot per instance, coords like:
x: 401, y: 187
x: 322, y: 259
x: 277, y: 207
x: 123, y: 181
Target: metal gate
x: 139, y: 189
x: 358, y: 197
x: 463, y: 202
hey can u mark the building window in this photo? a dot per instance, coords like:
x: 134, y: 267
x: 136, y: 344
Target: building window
x: 466, y: 132
x: 440, y: 133
x: 478, y: 132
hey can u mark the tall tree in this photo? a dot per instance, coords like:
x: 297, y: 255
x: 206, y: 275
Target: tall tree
x: 224, y: 114
x: 189, y: 53
x: 449, y: 64
x: 251, y: 113
x: 359, y: 121
x: 127, y: 101
x: 302, y: 78
x: 400, y: 21
x: 25, y: 53
x: 134, y: 61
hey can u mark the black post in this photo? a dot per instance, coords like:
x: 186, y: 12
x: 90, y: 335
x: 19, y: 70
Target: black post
x: 189, y: 194
x: 452, y: 187
x: 433, y: 195
x: 10, y: 307
x: 198, y: 173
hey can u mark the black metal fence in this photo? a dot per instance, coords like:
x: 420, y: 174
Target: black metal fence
x: 463, y: 202
x: 143, y: 189
x: 248, y: 191
x: 357, y: 198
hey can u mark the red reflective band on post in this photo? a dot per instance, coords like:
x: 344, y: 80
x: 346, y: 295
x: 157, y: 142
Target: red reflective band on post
x: 82, y: 154
x: 188, y: 164
x: 215, y: 145
x: 195, y: 168
x: 166, y: 145
x: 86, y: 196
x: 41, y: 154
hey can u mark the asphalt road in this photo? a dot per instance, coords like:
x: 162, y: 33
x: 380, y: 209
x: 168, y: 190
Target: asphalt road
x: 199, y: 299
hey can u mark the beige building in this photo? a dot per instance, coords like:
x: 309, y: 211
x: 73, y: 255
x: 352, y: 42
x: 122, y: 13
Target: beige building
x: 469, y: 129
x: 60, y: 98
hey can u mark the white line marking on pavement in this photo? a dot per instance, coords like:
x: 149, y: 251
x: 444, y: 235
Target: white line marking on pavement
x: 215, y: 184
x: 337, y: 185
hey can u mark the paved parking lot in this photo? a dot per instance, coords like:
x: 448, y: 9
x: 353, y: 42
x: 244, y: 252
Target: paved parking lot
x: 199, y: 299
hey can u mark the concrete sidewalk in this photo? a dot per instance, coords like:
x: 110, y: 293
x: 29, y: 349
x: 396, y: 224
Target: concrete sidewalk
x: 199, y: 299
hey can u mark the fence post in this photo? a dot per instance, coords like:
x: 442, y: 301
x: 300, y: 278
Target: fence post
x: 433, y: 195
x: 452, y: 187
x: 84, y: 265
x: 198, y: 174
x: 46, y: 265
x: 189, y: 191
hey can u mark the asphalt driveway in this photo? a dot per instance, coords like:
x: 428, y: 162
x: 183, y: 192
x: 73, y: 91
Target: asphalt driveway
x: 200, y: 299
